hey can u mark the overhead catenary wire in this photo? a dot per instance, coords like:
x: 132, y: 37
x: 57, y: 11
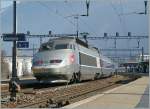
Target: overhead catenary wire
x: 75, y: 16
x: 123, y: 24
x: 122, y: 9
x: 119, y: 17
x: 123, y: 17
x: 89, y: 27
x: 138, y: 13
x: 82, y: 21
x: 46, y: 6
x: 55, y: 12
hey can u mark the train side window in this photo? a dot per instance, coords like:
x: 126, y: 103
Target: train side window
x: 74, y: 47
x: 71, y: 46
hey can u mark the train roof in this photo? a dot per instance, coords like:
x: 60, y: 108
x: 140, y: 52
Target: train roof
x: 74, y: 39
x: 68, y: 39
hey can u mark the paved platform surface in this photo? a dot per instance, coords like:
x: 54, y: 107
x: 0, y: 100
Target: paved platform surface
x: 132, y: 95
x: 144, y: 101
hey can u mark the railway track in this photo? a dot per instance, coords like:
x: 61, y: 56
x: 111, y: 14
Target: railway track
x: 62, y: 95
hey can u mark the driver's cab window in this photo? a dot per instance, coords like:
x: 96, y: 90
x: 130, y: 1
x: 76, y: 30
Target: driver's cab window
x: 61, y: 46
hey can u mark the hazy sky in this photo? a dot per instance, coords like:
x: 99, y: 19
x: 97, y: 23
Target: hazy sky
x: 5, y: 3
x: 104, y: 16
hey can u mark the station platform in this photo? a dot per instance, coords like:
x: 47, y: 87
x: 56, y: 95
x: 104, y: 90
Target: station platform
x: 23, y: 81
x: 132, y: 95
x: 25, y: 78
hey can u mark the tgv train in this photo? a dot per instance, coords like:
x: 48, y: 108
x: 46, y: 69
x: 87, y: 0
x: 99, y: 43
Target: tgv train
x: 69, y: 59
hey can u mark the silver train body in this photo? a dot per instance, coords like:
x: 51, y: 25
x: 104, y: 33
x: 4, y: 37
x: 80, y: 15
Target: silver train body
x: 69, y: 59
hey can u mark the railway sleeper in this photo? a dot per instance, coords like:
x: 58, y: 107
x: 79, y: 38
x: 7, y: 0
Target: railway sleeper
x: 62, y: 100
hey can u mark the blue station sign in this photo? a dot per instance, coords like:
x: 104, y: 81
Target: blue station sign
x: 23, y: 44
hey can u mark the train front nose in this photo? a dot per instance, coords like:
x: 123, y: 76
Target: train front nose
x: 48, y: 63
x: 47, y: 66
x: 48, y: 59
x: 53, y: 65
x: 48, y: 70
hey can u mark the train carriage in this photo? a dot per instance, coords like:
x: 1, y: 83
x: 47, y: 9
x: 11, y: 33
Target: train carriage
x: 69, y: 59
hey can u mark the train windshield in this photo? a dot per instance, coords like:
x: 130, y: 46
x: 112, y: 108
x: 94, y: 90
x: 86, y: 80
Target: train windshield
x: 61, y: 46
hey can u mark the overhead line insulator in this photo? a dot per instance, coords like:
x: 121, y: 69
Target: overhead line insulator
x: 145, y: 2
x: 87, y: 6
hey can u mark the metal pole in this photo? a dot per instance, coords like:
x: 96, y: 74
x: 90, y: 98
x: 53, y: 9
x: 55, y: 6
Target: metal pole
x: 77, y: 17
x: 145, y: 3
x: 33, y: 49
x: 40, y: 40
x: 14, y: 78
x: 142, y: 54
x: 87, y: 6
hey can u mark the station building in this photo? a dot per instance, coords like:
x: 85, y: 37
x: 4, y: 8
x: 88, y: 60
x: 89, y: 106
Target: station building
x: 24, y: 65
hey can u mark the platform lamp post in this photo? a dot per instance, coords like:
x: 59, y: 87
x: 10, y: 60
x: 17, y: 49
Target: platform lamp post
x: 142, y: 59
x: 77, y: 24
x: 14, y: 80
